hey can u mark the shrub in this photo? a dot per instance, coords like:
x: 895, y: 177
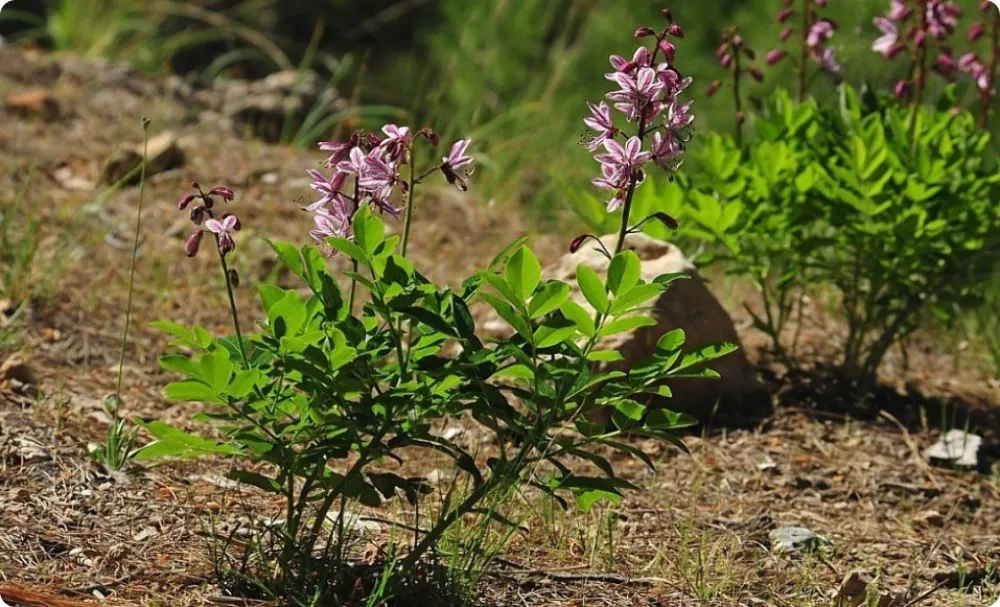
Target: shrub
x: 316, y: 406
x: 842, y: 197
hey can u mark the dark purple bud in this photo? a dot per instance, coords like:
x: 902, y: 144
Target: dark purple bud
x: 985, y: 5
x: 737, y: 41
x: 975, y: 31
x: 775, y: 56
x: 642, y: 32
x: 726, y: 60
x: 920, y: 39
x: 192, y: 243
x: 900, y: 89
x: 196, y: 185
x: 668, y: 49
x: 667, y: 15
x: 820, y: 3
x: 234, y: 278
x: 431, y: 136
x: 757, y: 74
x: 786, y: 33
x: 666, y: 220
x: 722, y: 50
x: 676, y: 31
x: 578, y: 242
x: 227, y: 194
x: 712, y: 88
x: 749, y: 53
x: 183, y: 204
x: 373, y: 141
x: 789, y: 2
x: 785, y: 15
x: 895, y: 49
x: 740, y: 117
x: 945, y: 64
x: 197, y: 215
x: 952, y: 9
x: 237, y: 226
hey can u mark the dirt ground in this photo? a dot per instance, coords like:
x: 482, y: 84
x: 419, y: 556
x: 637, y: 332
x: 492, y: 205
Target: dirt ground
x: 698, y: 534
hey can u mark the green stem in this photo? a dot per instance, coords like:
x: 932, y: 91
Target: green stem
x: 131, y: 273
x: 803, y: 61
x: 409, y: 200
x: 232, y: 306
x: 737, y: 100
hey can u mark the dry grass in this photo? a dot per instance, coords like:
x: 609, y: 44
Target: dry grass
x: 698, y: 535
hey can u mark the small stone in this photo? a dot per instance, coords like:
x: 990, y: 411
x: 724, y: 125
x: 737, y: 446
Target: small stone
x: 16, y: 372
x: 929, y: 518
x: 163, y: 154
x: 37, y: 102
x: 956, y: 448
x: 793, y: 539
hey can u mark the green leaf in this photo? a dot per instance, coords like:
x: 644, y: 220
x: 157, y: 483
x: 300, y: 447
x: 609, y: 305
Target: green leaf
x: 605, y: 356
x: 180, y: 364
x: 369, y: 231
x: 628, y: 323
x: 635, y: 297
x: 703, y: 355
x: 553, y: 295
x: 347, y: 248
x: 191, y: 391
x: 507, y: 312
x: 255, y: 480
x: 216, y: 369
x: 431, y: 319
x: 576, y: 313
x: 624, y: 272
x: 585, y: 500
x: 173, y: 442
x: 592, y: 288
x: 665, y: 419
x: 547, y: 336
x: 523, y: 272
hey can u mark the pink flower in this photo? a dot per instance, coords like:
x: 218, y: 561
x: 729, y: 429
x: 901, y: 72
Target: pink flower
x: 975, y: 31
x: 970, y: 64
x: 941, y: 17
x: 628, y: 158
x: 379, y: 179
x: 225, y: 193
x: 397, y: 142
x: 890, y: 36
x: 641, y: 58
x: 775, y: 56
x: 330, y: 190
x: 600, y: 121
x: 328, y: 226
x: 613, y: 180
x: 223, y: 231
x: 667, y: 152
x: 457, y: 166
x: 820, y: 32
x: 635, y: 92
x: 339, y: 151
x: 355, y: 162
x: 898, y: 11
x: 826, y: 60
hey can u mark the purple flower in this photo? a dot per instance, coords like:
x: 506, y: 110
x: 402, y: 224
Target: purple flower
x: 330, y: 190
x: 898, y: 11
x: 970, y: 64
x: 826, y: 60
x: 184, y: 202
x: 941, y: 17
x: 225, y: 193
x: 667, y: 151
x: 679, y: 117
x: 613, y: 180
x: 600, y: 121
x: 378, y: 179
x: 355, y: 162
x: 328, y: 226
x: 975, y: 31
x: 397, y: 142
x: 641, y: 58
x: 890, y: 36
x: 457, y: 166
x: 635, y: 92
x: 820, y: 32
x: 628, y: 158
x: 339, y: 151
x: 223, y: 231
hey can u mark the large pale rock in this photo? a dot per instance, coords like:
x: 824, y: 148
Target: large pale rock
x: 163, y: 154
x: 687, y: 305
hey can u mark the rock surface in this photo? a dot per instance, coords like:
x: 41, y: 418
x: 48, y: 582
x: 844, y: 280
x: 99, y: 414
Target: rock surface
x: 34, y: 103
x: 688, y: 305
x: 163, y: 154
x: 793, y: 539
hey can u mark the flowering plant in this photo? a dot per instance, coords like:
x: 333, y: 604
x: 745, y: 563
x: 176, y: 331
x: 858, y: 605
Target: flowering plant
x: 733, y: 54
x: 326, y: 401
x: 814, y: 35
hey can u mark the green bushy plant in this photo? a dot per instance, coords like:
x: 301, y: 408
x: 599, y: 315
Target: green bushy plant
x: 843, y: 197
x: 323, y: 403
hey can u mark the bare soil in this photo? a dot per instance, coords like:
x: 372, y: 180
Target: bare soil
x: 697, y: 535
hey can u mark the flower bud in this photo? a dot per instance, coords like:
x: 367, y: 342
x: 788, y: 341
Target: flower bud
x: 740, y: 117
x: 749, y: 53
x: 737, y: 41
x: 431, y: 136
x: 668, y: 50
x: 666, y: 220
x: 234, y: 278
x: 945, y: 64
x: 920, y: 39
x: 192, y: 243
x: 642, y: 32
x: 757, y: 74
x: 197, y: 215
x: 820, y: 3
x: 373, y: 141
x: 675, y: 31
x: 785, y: 15
x: 775, y: 56
x: 195, y: 185
x: 985, y: 6
x: 894, y: 50
x: 227, y: 194
x: 237, y: 226
x: 712, y: 88
x: 722, y: 50
x: 726, y: 60
x: 786, y: 34
x: 789, y: 2
x: 667, y: 15
x: 952, y: 9
x: 577, y: 242
x: 183, y: 204
x: 975, y: 31
x: 900, y: 89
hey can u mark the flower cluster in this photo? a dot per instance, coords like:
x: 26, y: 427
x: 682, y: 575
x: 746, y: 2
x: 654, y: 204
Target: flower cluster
x: 647, y: 95
x: 914, y: 30
x: 203, y: 214
x: 367, y: 169
x: 814, y: 33
x: 971, y: 64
